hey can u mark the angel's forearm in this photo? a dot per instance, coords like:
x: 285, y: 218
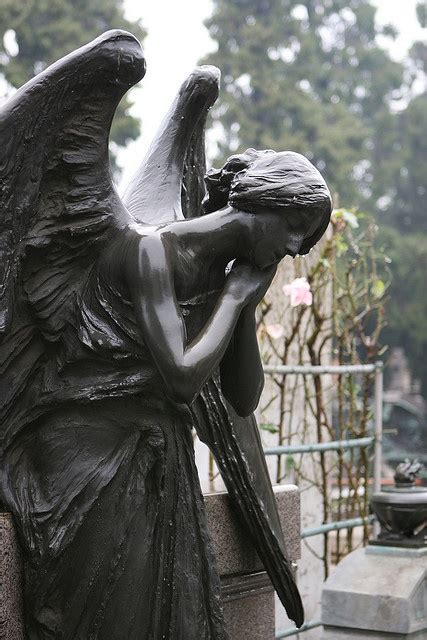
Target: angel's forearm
x: 203, y: 355
x: 185, y: 367
x: 242, y: 377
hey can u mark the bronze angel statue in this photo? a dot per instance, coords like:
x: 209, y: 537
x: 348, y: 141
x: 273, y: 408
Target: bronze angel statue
x: 122, y: 330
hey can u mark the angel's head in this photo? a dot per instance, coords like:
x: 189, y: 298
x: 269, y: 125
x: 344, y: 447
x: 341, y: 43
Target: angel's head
x: 286, y: 195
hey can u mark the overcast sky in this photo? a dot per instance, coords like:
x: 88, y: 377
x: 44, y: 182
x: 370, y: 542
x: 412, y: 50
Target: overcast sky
x: 177, y: 39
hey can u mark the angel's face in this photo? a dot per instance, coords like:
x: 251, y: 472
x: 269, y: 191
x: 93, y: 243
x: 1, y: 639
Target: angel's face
x: 276, y: 235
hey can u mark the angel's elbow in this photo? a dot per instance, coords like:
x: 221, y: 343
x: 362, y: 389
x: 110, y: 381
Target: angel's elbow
x: 244, y: 401
x: 245, y: 409
x: 258, y: 392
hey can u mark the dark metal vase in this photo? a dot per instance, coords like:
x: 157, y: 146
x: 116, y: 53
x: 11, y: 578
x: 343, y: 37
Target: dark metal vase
x: 402, y: 512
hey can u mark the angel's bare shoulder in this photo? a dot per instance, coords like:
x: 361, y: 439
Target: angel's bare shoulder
x: 135, y: 254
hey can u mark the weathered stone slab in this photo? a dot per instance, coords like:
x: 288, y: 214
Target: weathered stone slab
x: 377, y: 593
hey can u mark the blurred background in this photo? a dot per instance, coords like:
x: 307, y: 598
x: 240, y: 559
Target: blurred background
x: 344, y: 83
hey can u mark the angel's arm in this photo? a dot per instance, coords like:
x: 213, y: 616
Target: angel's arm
x: 242, y: 377
x: 183, y: 367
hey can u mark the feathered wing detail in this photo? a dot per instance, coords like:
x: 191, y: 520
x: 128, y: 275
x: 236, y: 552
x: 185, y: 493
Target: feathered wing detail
x: 236, y: 446
x: 58, y: 204
x: 193, y: 182
x: 159, y: 179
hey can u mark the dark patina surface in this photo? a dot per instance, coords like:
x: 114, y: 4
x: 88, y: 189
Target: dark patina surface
x: 122, y: 331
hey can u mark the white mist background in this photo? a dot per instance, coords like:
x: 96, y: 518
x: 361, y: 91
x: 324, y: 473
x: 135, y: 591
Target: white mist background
x: 177, y: 39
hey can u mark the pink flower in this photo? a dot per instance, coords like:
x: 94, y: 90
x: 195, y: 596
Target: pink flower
x: 299, y: 291
x: 275, y: 331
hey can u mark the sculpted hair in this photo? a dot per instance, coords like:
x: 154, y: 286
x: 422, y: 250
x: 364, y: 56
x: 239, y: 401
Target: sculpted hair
x: 257, y: 181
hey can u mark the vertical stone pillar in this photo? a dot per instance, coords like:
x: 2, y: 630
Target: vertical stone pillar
x: 249, y: 603
x: 10, y: 582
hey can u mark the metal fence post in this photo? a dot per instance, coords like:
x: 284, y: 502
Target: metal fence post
x: 378, y: 418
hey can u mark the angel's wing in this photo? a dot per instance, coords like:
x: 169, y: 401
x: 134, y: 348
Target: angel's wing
x: 159, y: 179
x: 236, y: 446
x: 58, y: 204
x: 172, y: 174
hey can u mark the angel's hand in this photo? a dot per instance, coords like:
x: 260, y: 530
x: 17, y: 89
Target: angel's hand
x: 248, y: 283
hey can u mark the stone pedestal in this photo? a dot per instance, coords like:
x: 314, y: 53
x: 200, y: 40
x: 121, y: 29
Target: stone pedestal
x: 247, y: 591
x: 376, y: 593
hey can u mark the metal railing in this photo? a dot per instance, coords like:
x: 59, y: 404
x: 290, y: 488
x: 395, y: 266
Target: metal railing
x: 337, y: 445
x: 292, y: 631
